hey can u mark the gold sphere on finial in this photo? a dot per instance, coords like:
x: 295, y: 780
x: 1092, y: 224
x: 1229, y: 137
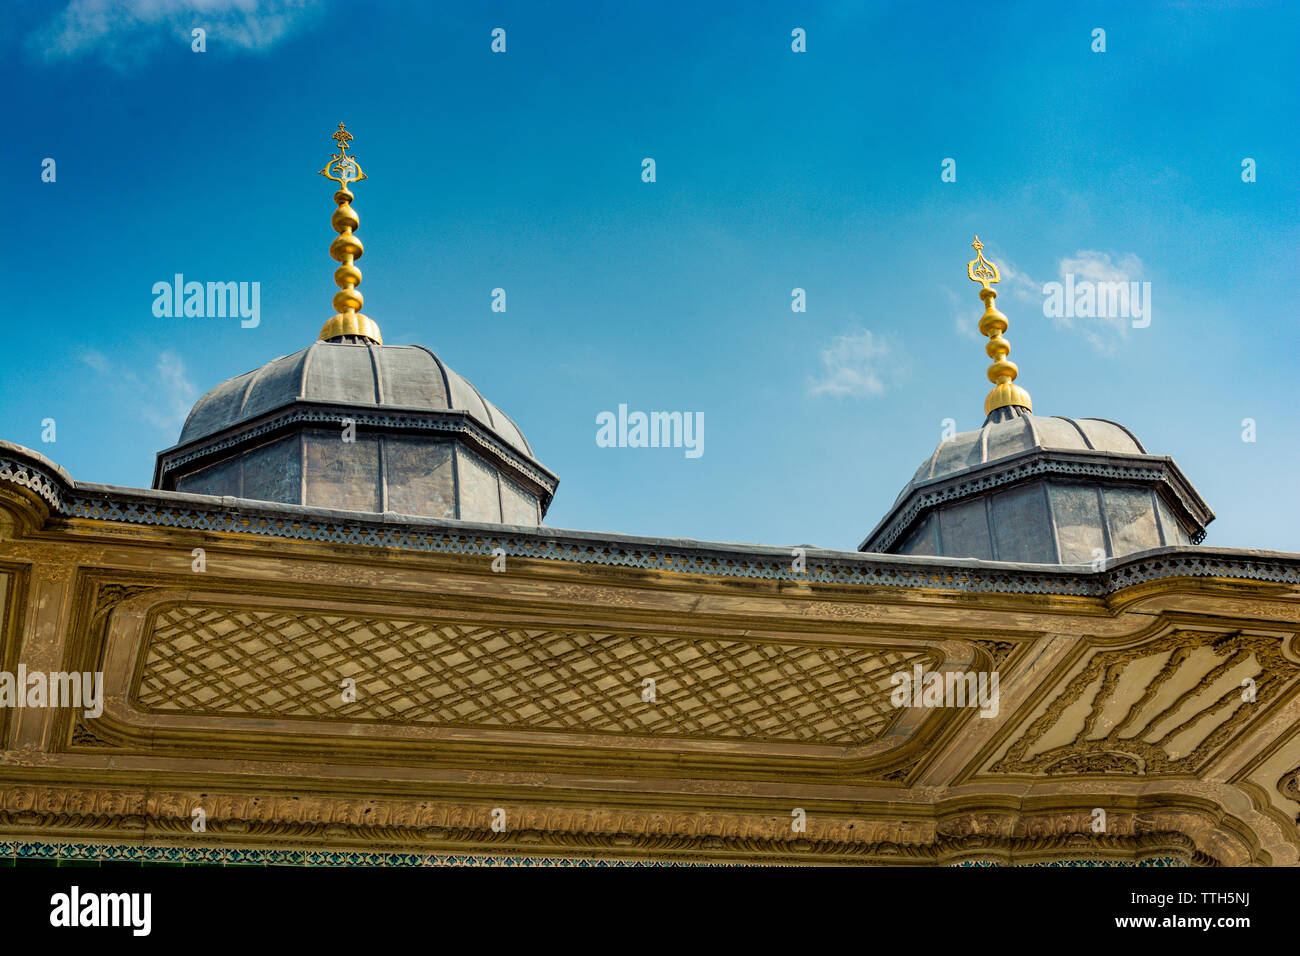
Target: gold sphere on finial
x: 1002, y: 373
x: 346, y: 249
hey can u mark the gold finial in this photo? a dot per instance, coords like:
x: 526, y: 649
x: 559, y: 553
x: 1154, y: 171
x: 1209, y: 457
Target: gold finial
x: 347, y: 248
x: 1003, y: 372
x: 342, y: 137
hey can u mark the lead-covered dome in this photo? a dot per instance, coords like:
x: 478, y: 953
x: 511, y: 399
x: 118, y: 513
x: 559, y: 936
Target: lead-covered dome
x: 421, y: 440
x: 1042, y: 490
x: 1037, y: 490
x: 351, y: 424
x: 400, y: 376
x: 1023, y: 432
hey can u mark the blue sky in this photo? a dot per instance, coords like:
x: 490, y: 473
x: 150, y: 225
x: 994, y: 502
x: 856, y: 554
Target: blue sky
x: 774, y: 170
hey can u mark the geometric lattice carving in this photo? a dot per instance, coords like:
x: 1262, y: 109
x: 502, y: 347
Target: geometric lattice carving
x: 1163, y: 707
x: 281, y: 663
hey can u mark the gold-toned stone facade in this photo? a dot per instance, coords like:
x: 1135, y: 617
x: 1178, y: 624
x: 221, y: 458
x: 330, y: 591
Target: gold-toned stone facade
x: 522, y: 691
x: 1167, y: 705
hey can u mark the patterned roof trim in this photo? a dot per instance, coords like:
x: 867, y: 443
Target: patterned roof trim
x: 445, y: 422
x: 1152, y: 469
x: 22, y: 467
x: 234, y: 856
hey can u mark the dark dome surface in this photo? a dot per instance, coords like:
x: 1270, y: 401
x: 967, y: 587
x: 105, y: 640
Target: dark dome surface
x: 1024, y: 433
x: 415, y: 438
x: 360, y: 375
x: 1042, y: 490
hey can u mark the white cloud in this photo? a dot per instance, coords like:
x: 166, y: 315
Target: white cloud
x: 857, y: 364
x: 966, y: 313
x: 1099, y: 267
x: 1020, y: 285
x: 1105, y: 331
x: 96, y: 361
x: 164, y: 399
x: 124, y: 32
x: 176, y: 394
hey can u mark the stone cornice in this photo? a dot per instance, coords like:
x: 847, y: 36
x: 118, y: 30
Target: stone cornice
x: 67, y: 498
x: 283, y: 827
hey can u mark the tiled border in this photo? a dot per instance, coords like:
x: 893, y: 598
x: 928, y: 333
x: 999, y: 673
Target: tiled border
x: 169, y: 509
x: 224, y: 856
x: 1154, y: 471
x: 145, y: 855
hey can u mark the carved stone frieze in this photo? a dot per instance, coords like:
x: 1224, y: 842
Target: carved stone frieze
x: 1161, y: 707
x: 274, y: 820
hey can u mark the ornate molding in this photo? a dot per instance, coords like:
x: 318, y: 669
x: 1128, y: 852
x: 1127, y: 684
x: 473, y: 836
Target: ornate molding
x: 200, y: 513
x: 1149, y: 470
x: 1289, y: 786
x: 1192, y: 724
x: 998, y: 651
x: 303, y: 413
x: 271, y: 821
x: 110, y: 596
x: 44, y: 481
